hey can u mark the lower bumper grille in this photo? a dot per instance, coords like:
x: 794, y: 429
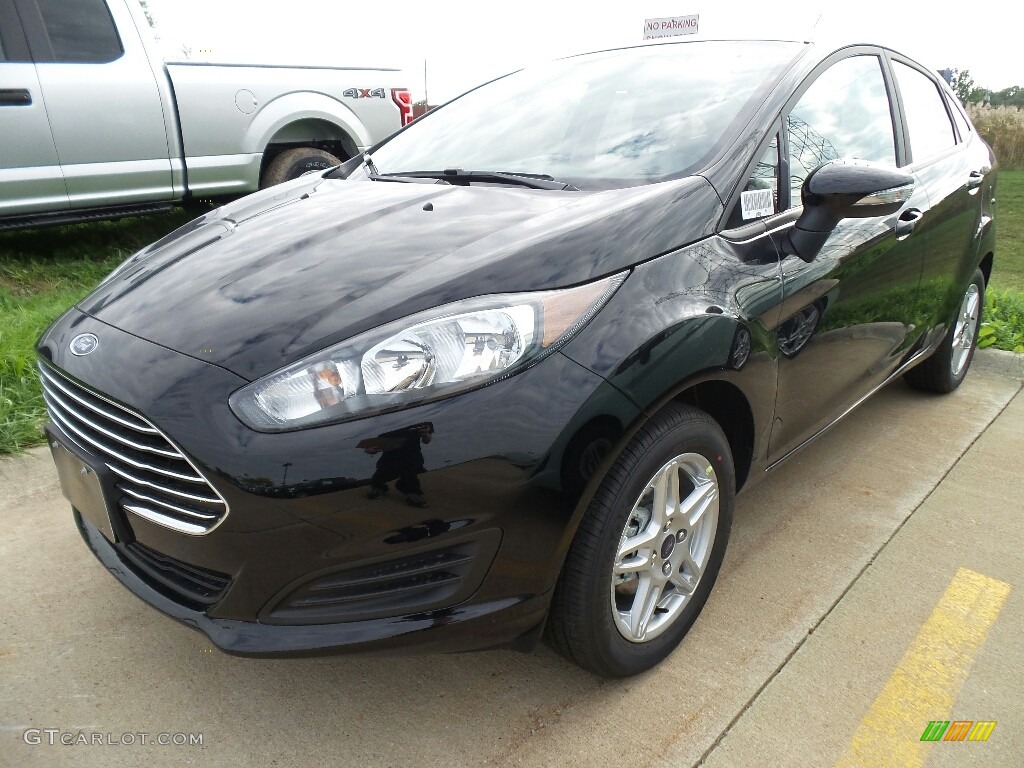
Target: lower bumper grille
x: 156, y: 480
x: 411, y: 584
x: 197, y: 585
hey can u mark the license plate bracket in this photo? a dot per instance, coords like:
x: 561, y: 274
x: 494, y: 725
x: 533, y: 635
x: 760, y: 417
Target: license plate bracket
x: 81, y: 484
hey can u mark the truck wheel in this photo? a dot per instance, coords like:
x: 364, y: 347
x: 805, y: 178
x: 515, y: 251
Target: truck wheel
x: 293, y: 163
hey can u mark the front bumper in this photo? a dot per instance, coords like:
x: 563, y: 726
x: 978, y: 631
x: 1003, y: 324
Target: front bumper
x: 328, y: 544
x: 514, y: 621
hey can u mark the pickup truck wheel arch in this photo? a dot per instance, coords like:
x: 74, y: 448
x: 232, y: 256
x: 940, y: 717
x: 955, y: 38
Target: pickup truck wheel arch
x: 306, y: 119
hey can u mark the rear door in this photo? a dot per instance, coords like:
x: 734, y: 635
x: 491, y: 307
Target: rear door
x: 30, y: 175
x: 102, y: 100
x: 952, y: 164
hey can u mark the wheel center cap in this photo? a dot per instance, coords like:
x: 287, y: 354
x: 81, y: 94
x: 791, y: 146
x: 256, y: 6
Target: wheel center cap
x: 667, y: 546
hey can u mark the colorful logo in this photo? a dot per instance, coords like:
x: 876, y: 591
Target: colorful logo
x: 958, y: 730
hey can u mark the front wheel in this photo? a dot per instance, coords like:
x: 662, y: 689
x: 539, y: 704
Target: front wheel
x: 946, y: 368
x: 648, y: 549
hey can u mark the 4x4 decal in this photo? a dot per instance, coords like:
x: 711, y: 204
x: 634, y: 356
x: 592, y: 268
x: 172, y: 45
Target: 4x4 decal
x: 364, y: 93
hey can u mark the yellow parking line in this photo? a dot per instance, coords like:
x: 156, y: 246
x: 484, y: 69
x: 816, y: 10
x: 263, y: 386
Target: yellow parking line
x: 925, y: 682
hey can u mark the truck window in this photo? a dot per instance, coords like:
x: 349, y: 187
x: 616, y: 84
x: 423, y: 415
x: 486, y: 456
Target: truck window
x: 82, y: 31
x: 12, y: 42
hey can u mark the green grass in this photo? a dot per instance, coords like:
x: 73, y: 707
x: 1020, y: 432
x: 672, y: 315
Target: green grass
x: 1008, y: 272
x: 42, y: 273
x: 1003, y: 326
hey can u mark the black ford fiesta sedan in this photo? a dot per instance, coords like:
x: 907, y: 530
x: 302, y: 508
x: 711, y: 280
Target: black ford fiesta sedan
x: 501, y: 377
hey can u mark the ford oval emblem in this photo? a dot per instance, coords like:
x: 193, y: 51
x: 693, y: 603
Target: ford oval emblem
x: 84, y: 343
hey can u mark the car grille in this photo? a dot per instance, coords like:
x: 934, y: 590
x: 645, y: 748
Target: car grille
x: 156, y: 480
x: 197, y: 585
x: 401, y: 586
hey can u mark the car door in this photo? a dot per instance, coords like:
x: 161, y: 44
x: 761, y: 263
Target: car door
x: 952, y: 168
x: 30, y: 175
x: 850, y: 316
x: 102, y: 100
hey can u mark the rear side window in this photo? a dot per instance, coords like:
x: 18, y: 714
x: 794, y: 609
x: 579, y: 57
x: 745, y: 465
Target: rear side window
x: 958, y: 117
x: 80, y: 31
x: 931, y: 132
x: 844, y: 114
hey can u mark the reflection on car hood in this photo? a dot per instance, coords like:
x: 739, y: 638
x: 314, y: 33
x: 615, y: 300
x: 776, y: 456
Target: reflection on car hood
x: 283, y: 273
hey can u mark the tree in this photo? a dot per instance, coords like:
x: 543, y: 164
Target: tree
x: 963, y: 85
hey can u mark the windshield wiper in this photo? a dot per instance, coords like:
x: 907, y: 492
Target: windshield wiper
x: 455, y: 175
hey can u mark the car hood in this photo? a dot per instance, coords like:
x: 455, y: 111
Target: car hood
x: 283, y: 273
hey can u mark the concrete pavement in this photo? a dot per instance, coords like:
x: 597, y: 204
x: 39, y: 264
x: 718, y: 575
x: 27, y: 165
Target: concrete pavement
x: 809, y: 713
x: 836, y: 567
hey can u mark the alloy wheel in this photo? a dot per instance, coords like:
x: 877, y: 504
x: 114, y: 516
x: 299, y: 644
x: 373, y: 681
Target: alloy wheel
x: 965, y: 329
x: 664, y: 547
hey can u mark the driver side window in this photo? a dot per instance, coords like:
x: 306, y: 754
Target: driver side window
x: 844, y: 114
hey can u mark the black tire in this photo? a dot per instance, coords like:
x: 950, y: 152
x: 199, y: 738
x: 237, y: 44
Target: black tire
x: 937, y: 374
x: 581, y: 625
x: 293, y: 163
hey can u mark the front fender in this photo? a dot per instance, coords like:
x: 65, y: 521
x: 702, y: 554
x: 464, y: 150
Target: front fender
x: 703, y: 315
x: 675, y: 321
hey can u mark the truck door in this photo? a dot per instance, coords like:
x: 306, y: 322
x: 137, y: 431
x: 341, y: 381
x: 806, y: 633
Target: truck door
x: 30, y: 175
x: 102, y: 100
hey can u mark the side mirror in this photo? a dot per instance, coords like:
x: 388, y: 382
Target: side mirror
x: 845, y: 189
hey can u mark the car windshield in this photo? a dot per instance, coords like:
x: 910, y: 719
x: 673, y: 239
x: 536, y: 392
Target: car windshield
x: 612, y: 119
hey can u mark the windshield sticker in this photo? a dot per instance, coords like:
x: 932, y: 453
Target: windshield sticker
x: 755, y: 203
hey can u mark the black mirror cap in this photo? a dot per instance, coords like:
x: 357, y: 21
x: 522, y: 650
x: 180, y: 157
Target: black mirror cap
x: 856, y: 189
x: 845, y: 189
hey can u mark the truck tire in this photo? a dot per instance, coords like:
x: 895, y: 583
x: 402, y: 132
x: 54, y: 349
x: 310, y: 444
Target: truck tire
x: 293, y: 163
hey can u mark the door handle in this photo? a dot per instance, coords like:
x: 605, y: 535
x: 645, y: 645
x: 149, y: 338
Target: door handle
x: 907, y: 221
x: 15, y: 97
x: 974, y: 179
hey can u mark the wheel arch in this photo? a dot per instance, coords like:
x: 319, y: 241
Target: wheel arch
x: 986, y: 266
x: 304, y: 119
x: 729, y: 407
x: 724, y: 400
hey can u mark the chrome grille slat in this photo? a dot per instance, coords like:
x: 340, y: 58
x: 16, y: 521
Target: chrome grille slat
x: 112, y: 435
x: 52, y: 379
x: 163, y: 488
x: 158, y: 482
x: 104, y: 448
x: 168, y: 505
x: 164, y: 520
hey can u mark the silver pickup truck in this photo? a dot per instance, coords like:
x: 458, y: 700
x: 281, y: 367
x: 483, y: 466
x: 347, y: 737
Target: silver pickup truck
x: 93, y: 123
